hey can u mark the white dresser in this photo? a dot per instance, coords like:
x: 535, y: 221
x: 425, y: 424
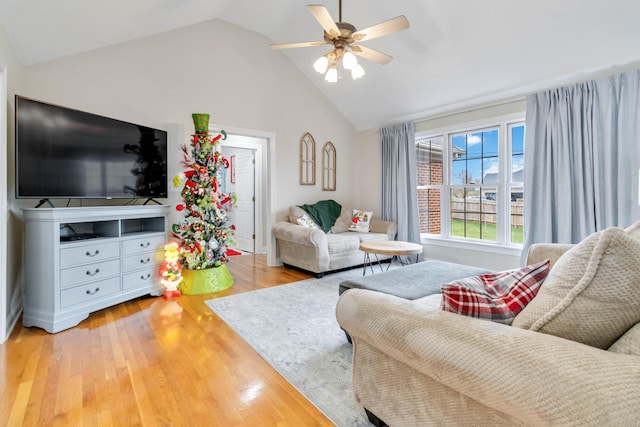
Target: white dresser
x: 79, y: 260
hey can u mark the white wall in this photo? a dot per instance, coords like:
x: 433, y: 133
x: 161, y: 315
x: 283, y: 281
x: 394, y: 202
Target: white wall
x: 469, y: 254
x: 368, y: 164
x: 10, y: 259
x: 471, y: 115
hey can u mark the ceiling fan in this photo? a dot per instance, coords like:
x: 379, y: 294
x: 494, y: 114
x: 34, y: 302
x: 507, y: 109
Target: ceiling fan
x: 344, y: 36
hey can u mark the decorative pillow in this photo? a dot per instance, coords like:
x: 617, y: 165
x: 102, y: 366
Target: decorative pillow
x: 307, y: 222
x: 295, y: 213
x: 633, y: 230
x: 343, y: 222
x: 497, y: 296
x: 592, y: 294
x: 360, y: 221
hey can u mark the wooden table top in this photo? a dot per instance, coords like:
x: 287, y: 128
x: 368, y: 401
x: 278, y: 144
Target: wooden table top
x: 391, y: 247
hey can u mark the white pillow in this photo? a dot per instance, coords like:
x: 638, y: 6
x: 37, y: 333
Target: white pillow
x: 295, y: 213
x: 360, y: 221
x: 307, y: 222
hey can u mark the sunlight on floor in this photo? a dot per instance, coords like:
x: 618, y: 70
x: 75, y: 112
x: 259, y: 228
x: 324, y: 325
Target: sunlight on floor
x: 252, y: 392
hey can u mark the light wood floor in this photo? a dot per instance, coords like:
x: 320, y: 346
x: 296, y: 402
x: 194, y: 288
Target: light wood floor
x: 151, y: 362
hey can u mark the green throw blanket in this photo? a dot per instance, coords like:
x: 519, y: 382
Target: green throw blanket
x: 324, y: 213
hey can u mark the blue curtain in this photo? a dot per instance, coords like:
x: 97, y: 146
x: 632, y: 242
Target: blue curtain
x: 399, y: 193
x: 581, y: 159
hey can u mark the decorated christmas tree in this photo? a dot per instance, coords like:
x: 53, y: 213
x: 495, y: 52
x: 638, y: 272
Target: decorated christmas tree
x: 203, y: 233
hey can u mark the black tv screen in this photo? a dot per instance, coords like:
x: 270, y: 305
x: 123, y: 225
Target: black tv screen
x: 66, y: 153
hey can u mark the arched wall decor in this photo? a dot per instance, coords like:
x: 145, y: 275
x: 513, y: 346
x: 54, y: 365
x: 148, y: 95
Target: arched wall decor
x: 329, y: 167
x: 307, y: 160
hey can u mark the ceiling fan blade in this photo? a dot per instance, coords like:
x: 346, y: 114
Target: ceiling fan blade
x: 324, y: 19
x: 371, y: 54
x: 387, y: 27
x: 301, y: 44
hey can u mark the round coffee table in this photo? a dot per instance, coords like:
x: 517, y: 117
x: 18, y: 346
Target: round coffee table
x: 395, y: 248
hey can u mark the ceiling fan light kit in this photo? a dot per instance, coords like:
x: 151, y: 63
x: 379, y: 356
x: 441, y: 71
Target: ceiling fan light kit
x: 342, y: 36
x: 332, y: 74
x: 329, y: 63
x: 321, y: 64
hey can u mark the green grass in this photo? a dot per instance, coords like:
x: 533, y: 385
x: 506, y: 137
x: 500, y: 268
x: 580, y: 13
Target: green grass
x: 488, y: 231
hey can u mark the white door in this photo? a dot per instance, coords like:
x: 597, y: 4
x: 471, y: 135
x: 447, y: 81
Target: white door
x: 244, y: 211
x: 239, y: 140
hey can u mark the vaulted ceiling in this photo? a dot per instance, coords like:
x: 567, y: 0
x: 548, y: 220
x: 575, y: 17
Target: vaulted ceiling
x: 456, y: 53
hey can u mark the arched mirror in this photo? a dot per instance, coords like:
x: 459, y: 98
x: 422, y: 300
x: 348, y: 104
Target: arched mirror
x: 329, y: 167
x: 307, y: 160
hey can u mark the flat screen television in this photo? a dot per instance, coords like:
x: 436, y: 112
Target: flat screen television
x: 66, y: 153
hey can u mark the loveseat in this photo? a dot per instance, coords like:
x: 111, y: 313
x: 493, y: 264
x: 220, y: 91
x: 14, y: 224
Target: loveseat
x: 304, y: 245
x: 570, y: 357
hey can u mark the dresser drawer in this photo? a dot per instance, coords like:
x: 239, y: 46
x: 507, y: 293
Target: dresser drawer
x: 144, y: 277
x: 141, y: 260
x: 151, y: 242
x: 89, y: 292
x: 89, y: 273
x: 89, y: 253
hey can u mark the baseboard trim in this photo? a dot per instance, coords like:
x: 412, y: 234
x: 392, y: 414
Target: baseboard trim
x: 12, y: 320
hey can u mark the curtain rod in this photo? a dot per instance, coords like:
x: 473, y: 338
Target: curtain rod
x: 469, y: 109
x: 543, y: 86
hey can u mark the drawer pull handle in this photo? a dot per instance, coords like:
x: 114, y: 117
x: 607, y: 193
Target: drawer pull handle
x: 145, y: 261
x: 89, y: 254
x: 94, y: 273
x: 89, y: 292
x: 145, y: 277
x: 145, y: 245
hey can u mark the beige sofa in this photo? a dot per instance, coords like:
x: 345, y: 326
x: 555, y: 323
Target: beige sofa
x: 416, y: 365
x: 313, y: 250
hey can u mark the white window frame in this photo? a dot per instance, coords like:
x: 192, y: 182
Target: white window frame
x: 502, y: 245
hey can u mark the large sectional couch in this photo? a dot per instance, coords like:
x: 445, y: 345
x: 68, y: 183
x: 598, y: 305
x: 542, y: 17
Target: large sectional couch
x: 319, y: 252
x: 571, y: 357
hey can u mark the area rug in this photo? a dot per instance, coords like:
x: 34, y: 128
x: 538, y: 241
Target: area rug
x: 294, y: 328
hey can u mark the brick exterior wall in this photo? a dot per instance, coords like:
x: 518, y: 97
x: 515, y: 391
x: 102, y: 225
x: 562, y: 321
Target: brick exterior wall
x: 429, y: 173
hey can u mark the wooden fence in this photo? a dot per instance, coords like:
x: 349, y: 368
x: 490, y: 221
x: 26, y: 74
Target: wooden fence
x: 485, y: 211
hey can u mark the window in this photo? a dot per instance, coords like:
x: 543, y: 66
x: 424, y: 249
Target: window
x: 474, y: 166
x: 516, y: 182
x: 470, y: 184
